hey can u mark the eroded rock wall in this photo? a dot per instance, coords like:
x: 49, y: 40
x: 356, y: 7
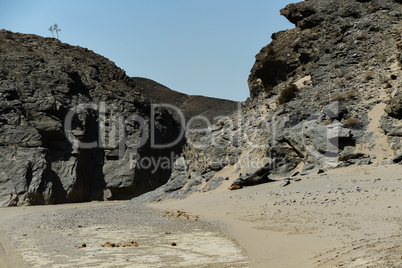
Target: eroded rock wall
x: 325, y: 94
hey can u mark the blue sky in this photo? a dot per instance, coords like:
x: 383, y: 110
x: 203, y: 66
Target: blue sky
x: 200, y: 47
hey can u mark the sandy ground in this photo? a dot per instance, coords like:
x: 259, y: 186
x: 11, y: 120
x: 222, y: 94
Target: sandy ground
x: 348, y: 217
x: 112, y: 235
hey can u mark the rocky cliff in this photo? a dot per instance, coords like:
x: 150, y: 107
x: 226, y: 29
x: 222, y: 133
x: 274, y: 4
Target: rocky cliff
x: 70, y: 122
x: 325, y: 94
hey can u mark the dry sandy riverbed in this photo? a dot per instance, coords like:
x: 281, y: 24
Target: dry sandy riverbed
x: 349, y: 217
x: 131, y: 235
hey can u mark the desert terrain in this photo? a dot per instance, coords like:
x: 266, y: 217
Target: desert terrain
x: 305, y: 172
x: 346, y: 217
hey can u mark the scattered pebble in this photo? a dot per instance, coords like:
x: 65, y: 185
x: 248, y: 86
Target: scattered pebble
x: 83, y: 246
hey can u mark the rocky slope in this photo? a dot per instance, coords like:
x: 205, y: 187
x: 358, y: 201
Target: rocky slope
x: 41, y: 81
x: 190, y: 105
x: 325, y: 94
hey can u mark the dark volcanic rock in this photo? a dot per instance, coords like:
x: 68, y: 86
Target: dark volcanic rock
x: 41, y: 79
x: 258, y: 177
x: 327, y: 33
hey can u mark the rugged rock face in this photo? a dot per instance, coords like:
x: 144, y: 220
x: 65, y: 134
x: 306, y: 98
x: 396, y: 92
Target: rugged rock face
x: 328, y: 32
x: 41, y: 79
x: 325, y: 94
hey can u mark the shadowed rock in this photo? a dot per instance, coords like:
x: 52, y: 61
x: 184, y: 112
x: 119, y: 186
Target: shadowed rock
x: 258, y: 177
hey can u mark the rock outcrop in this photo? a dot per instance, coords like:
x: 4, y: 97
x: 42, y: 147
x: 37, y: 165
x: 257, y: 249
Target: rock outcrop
x: 325, y: 94
x: 394, y: 107
x: 46, y: 85
x: 41, y: 80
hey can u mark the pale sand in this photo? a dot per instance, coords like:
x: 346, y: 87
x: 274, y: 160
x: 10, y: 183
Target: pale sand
x: 345, y: 217
x: 52, y: 236
x: 348, y: 217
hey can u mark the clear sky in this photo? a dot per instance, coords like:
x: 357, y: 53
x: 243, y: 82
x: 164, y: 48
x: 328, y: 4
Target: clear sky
x: 200, y: 47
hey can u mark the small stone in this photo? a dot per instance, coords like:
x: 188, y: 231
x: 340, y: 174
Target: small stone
x: 235, y: 187
x: 397, y: 158
x: 173, y: 244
